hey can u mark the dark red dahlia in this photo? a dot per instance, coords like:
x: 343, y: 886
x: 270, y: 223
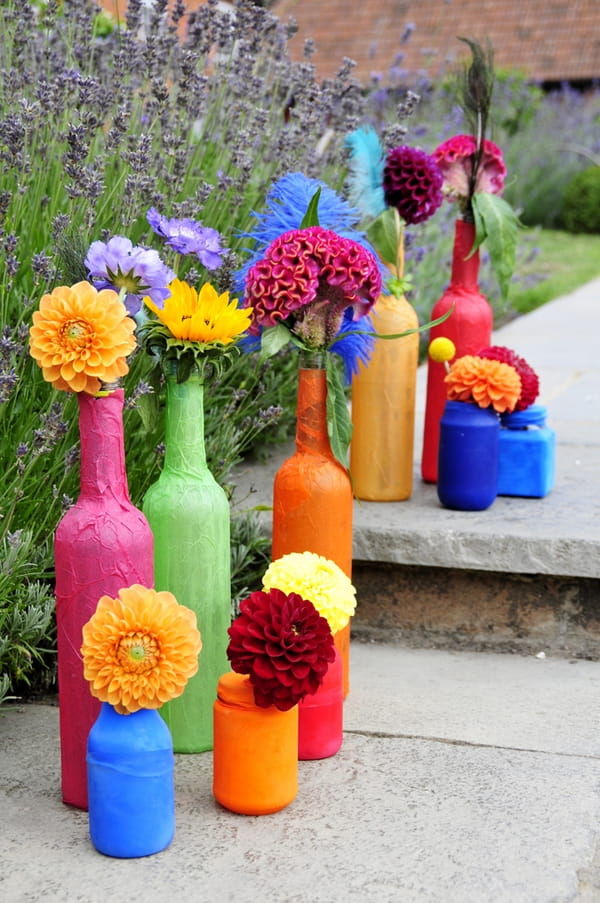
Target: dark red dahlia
x: 412, y: 183
x: 312, y: 267
x: 530, y: 384
x: 284, y: 644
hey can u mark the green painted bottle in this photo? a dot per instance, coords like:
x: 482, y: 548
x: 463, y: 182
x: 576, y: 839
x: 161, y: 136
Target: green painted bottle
x: 188, y: 513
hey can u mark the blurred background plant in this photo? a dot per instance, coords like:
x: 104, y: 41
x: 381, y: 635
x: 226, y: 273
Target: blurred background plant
x: 100, y: 121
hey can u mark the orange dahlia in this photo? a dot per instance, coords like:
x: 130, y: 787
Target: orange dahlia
x: 486, y: 382
x: 140, y: 649
x: 81, y: 337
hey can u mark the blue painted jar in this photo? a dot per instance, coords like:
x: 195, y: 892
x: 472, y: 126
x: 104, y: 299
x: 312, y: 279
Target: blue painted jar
x: 131, y: 792
x: 468, y: 456
x: 526, y: 463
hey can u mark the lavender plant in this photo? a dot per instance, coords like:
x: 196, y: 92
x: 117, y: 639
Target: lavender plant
x: 192, y: 115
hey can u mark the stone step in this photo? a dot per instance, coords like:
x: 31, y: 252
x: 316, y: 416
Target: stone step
x: 524, y: 575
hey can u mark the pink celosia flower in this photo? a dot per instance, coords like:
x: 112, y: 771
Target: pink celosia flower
x: 309, y: 277
x: 412, y: 183
x: 454, y: 157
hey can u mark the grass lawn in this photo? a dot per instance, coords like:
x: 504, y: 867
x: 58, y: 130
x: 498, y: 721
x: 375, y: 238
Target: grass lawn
x: 564, y: 262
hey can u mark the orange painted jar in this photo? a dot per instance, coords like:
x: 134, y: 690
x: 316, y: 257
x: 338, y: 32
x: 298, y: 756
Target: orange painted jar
x: 255, y: 753
x: 312, y: 493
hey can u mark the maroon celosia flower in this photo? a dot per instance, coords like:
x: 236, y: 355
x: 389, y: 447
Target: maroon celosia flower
x: 455, y: 160
x: 312, y: 276
x: 412, y: 183
x: 530, y: 384
x: 284, y: 644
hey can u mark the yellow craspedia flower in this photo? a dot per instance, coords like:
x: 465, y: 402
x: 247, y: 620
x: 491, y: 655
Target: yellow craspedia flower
x: 81, y: 337
x: 204, y: 316
x: 442, y: 349
x: 140, y: 649
x: 318, y: 580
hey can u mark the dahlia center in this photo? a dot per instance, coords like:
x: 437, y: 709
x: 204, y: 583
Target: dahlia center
x: 75, y: 333
x: 138, y: 652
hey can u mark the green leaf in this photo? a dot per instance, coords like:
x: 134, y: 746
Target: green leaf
x: 339, y: 424
x: 273, y: 340
x: 311, y: 217
x: 148, y: 406
x: 497, y: 218
x: 385, y: 234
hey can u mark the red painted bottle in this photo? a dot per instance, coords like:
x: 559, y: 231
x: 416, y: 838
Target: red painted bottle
x: 469, y: 326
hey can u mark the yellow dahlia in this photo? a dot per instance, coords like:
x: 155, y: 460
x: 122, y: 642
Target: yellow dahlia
x: 205, y: 317
x: 81, y: 337
x: 140, y: 649
x: 318, y: 580
x: 486, y: 382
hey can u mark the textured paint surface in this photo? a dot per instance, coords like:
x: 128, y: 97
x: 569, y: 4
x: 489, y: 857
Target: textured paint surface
x: 102, y: 544
x: 312, y: 494
x: 189, y: 515
x: 383, y: 408
x: 469, y: 326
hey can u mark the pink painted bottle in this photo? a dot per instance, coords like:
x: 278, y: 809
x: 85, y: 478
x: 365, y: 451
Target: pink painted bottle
x: 102, y: 544
x: 469, y: 326
x: 320, y: 716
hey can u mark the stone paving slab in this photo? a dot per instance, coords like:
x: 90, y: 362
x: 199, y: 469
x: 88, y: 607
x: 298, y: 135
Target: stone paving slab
x: 463, y: 778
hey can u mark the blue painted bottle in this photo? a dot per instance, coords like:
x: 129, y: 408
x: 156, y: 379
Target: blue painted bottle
x: 526, y: 462
x: 131, y: 792
x: 468, y: 456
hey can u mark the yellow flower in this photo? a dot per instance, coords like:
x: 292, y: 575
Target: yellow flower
x: 140, y: 649
x: 442, y: 349
x: 206, y: 317
x: 318, y: 580
x: 81, y: 336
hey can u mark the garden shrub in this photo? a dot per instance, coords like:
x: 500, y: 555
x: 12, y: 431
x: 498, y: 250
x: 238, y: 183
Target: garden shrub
x: 581, y: 203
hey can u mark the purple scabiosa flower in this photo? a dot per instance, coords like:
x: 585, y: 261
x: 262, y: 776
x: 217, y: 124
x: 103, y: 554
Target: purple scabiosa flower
x: 412, y: 183
x: 187, y: 236
x: 118, y: 264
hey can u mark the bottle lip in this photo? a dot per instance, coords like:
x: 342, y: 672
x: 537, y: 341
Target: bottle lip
x: 236, y: 689
x: 534, y: 415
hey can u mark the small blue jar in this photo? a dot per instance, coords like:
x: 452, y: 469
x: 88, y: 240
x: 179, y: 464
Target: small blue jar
x: 131, y: 790
x: 526, y: 463
x: 468, y: 456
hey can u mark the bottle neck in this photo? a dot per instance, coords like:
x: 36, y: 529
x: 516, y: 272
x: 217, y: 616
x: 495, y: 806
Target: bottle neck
x: 102, y: 455
x: 464, y: 272
x: 184, y: 430
x: 311, y: 411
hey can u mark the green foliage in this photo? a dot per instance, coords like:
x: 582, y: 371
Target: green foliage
x: 496, y: 224
x: 26, y: 617
x: 99, y: 122
x: 581, y: 202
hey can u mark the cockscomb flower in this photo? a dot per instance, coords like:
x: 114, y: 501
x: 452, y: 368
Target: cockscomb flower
x: 455, y: 160
x: 412, y: 183
x: 317, y: 579
x: 485, y: 382
x: 137, y: 271
x: 81, y: 337
x: 310, y: 276
x: 140, y: 649
x: 283, y: 644
x: 187, y: 236
x: 530, y: 383
x: 205, y: 316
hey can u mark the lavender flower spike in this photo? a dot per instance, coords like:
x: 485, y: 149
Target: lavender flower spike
x: 118, y: 264
x: 187, y: 236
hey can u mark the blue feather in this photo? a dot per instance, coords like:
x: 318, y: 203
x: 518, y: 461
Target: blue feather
x: 366, y: 171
